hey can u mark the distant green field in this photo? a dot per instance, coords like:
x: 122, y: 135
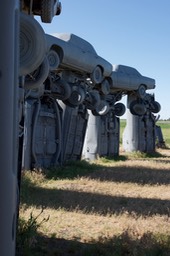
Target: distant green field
x: 165, y: 126
x: 122, y: 127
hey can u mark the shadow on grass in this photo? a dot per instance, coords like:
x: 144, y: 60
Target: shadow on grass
x: 137, y: 174
x: 122, y: 245
x: 87, y: 202
x: 107, y: 159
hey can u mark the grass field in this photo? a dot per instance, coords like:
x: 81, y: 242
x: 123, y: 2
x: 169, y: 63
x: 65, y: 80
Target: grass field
x: 165, y: 126
x: 111, y: 207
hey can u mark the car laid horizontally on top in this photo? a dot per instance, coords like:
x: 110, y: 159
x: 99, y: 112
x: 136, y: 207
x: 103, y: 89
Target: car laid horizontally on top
x: 69, y: 51
x: 129, y: 79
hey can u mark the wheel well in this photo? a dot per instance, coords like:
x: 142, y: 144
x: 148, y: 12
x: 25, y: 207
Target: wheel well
x: 143, y: 85
x: 102, y: 69
x: 142, y: 90
x: 59, y: 50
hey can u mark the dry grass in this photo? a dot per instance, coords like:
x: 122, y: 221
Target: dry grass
x: 107, y: 208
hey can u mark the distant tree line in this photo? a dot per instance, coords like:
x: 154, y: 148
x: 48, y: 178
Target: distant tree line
x: 168, y: 119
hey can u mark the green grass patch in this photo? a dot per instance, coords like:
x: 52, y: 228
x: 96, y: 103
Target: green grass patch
x: 72, y: 170
x: 139, y: 155
x: 122, y: 127
x: 165, y: 126
x: 108, y: 159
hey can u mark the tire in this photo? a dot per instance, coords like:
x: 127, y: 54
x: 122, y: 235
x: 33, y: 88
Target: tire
x: 35, y: 94
x: 63, y: 90
x: 53, y: 59
x: 93, y: 100
x: 49, y: 8
x: 141, y: 91
x: 97, y: 75
x: 76, y: 98
x: 102, y: 109
x: 36, y: 78
x: 59, y: 8
x: 155, y: 107
x: 137, y: 109
x: 105, y: 86
x: 32, y: 44
x: 119, y: 109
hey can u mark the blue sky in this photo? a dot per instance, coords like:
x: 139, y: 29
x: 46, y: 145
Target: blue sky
x: 130, y: 32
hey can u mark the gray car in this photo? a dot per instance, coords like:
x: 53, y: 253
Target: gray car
x: 69, y: 51
x: 129, y: 79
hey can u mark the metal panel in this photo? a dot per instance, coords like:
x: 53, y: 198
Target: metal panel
x: 42, y: 134
x: 131, y: 139
x: 26, y: 156
x: 9, y: 26
x: 139, y: 133
x: 109, y: 136
x: 102, y: 136
x: 73, y: 132
x: 150, y: 134
x: 114, y: 137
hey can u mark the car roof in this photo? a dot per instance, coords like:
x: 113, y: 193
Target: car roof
x: 77, y: 41
x: 125, y: 69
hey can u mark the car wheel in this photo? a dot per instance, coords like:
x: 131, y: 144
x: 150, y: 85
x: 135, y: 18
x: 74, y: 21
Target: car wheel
x: 119, y: 109
x: 49, y: 8
x: 36, y: 78
x: 105, y: 86
x: 141, y: 91
x: 137, y: 108
x: 76, y: 98
x: 62, y: 90
x: 92, y: 99
x: 32, y: 44
x: 102, y: 109
x: 155, y: 107
x: 59, y: 8
x: 97, y: 75
x: 53, y: 59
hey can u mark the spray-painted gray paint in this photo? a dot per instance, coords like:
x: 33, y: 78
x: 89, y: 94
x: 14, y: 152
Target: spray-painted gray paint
x: 45, y: 9
x: 77, y: 54
x: 27, y: 138
x: 128, y: 78
x: 9, y: 14
x: 53, y: 134
x: 90, y: 148
x: 74, y: 124
x: 139, y: 133
x: 42, y: 133
x: 71, y: 80
x: 70, y: 84
x: 102, y: 137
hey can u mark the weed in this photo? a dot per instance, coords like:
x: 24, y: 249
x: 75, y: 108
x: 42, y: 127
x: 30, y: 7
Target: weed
x: 27, y: 232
